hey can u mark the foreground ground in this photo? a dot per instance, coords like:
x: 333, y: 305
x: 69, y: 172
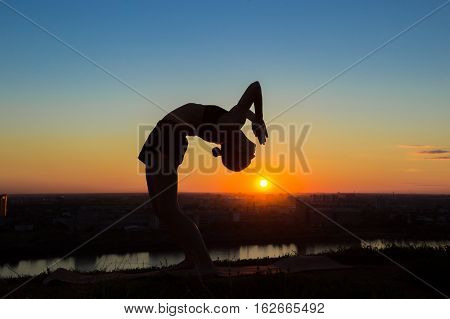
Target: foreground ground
x: 372, y: 276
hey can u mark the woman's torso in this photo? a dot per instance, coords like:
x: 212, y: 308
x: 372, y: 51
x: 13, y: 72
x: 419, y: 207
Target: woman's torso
x: 202, y: 119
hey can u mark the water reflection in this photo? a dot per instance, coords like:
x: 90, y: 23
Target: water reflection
x: 380, y: 243
x: 319, y: 248
x: 113, y: 262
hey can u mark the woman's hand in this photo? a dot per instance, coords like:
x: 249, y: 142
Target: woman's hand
x: 260, y: 131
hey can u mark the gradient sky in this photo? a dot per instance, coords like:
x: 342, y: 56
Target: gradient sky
x: 66, y: 126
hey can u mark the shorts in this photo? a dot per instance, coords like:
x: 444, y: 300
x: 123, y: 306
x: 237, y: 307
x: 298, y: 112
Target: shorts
x: 164, y: 148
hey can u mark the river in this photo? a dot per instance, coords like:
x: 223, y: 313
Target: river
x: 111, y: 262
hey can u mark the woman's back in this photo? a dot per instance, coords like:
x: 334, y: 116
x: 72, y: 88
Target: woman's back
x: 203, y: 119
x: 190, y: 113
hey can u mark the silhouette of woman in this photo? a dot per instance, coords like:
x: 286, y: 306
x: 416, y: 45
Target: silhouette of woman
x: 164, y: 150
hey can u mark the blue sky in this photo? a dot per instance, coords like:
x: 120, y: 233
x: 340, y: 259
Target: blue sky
x: 208, y: 52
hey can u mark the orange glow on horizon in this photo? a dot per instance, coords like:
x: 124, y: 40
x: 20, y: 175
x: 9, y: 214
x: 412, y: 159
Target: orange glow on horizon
x: 72, y: 162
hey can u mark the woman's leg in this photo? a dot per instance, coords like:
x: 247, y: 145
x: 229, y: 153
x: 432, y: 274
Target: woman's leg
x: 163, y: 189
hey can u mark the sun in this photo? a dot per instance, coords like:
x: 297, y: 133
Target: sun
x: 263, y: 183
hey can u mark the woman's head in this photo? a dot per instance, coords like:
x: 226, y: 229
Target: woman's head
x: 237, y: 151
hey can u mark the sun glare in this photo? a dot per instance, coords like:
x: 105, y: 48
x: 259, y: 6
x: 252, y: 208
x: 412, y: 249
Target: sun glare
x: 263, y: 183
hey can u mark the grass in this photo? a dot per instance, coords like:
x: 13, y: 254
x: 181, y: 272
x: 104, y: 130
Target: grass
x: 372, y: 276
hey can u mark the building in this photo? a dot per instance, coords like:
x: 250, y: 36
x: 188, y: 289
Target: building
x: 3, y: 205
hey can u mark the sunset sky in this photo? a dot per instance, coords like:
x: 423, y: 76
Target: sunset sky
x: 67, y: 126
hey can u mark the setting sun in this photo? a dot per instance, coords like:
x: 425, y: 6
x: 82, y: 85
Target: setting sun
x: 263, y: 183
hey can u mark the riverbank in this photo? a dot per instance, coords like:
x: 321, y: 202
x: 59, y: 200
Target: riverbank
x: 370, y: 276
x: 41, y: 245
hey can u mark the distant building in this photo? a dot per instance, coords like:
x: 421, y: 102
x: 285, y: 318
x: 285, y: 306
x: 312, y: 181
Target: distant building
x: 3, y: 205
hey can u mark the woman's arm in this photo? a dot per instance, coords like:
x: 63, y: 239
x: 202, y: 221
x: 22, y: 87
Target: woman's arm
x: 251, y: 116
x: 258, y: 125
x: 238, y: 114
x: 253, y: 95
x: 241, y: 112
